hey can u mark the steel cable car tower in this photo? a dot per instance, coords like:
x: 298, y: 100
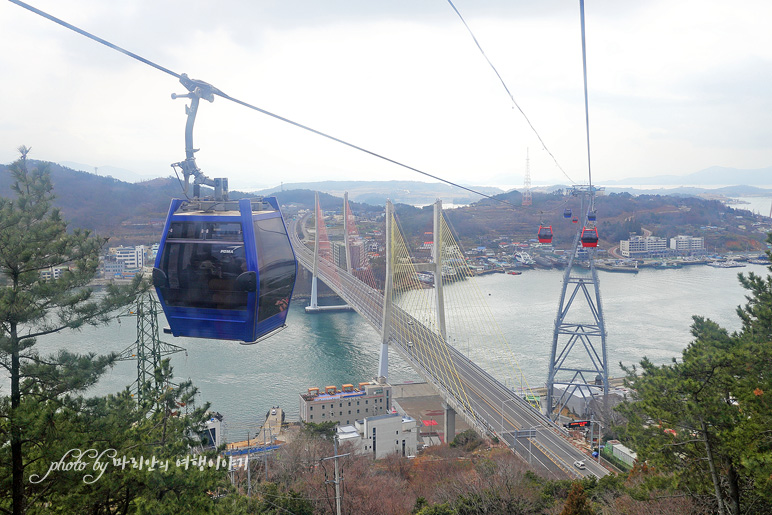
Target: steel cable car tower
x: 148, y: 349
x: 578, y: 358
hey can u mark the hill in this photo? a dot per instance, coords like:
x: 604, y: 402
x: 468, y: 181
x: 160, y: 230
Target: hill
x: 134, y: 213
x: 377, y: 192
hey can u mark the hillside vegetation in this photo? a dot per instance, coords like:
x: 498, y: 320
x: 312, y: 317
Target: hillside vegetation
x: 134, y: 213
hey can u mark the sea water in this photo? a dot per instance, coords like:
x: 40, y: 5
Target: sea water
x: 646, y: 314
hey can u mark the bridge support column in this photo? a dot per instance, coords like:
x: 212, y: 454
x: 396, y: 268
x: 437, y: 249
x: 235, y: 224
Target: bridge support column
x: 450, y: 423
x: 437, y: 258
x: 314, y: 296
x: 346, y: 232
x: 317, y: 212
x: 383, y: 363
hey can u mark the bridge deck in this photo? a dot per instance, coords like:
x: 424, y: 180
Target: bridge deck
x: 474, y: 394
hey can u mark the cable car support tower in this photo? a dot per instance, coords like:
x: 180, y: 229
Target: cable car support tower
x: 148, y: 349
x: 578, y: 358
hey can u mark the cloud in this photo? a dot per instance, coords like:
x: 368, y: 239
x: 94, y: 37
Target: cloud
x: 674, y: 87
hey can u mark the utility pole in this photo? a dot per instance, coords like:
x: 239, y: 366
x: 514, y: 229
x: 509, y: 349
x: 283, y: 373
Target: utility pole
x: 338, y: 479
x: 249, y: 476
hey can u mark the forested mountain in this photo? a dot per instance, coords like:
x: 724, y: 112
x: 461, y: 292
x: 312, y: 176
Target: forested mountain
x: 133, y: 213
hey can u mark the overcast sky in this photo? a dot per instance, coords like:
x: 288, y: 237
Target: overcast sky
x: 675, y: 86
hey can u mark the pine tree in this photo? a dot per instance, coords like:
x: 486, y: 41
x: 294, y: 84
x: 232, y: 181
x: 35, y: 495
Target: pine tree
x: 35, y: 238
x: 706, y: 418
x: 577, y: 502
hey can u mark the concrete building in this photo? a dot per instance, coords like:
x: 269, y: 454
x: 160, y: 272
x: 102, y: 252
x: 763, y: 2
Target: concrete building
x: 639, y: 246
x: 339, y: 254
x: 132, y: 257
x: 382, y: 435
x: 54, y: 272
x: 347, y: 405
x: 214, y: 430
x: 112, y: 268
x: 687, y: 245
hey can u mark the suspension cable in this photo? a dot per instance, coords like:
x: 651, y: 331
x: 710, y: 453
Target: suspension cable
x: 250, y: 106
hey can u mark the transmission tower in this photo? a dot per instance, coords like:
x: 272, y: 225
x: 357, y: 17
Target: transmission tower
x: 148, y: 349
x: 578, y: 360
x: 527, y: 200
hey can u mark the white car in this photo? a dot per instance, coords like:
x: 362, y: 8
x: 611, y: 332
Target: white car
x: 579, y: 465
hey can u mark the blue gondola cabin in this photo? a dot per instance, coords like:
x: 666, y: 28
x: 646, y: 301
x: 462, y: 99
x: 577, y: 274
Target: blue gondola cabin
x: 225, y: 270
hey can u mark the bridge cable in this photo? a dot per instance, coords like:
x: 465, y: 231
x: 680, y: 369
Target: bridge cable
x: 544, y: 145
x: 250, y: 106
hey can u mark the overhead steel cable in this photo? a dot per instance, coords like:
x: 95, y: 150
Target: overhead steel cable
x: 586, y: 102
x: 511, y: 97
x: 214, y: 90
x: 93, y: 37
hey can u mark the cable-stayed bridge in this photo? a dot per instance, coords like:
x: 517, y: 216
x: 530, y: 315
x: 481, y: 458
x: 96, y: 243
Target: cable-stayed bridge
x: 411, y: 318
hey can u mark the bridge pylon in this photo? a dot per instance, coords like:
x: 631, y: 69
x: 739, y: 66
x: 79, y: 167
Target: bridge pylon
x: 388, y: 294
x: 323, y: 257
x: 578, y: 359
x: 314, y: 277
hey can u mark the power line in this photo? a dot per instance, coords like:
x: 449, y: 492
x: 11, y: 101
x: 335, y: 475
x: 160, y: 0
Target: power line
x: 544, y: 145
x: 214, y: 90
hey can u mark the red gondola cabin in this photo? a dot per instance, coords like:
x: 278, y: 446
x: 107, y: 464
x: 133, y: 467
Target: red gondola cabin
x: 590, y: 237
x: 545, y: 234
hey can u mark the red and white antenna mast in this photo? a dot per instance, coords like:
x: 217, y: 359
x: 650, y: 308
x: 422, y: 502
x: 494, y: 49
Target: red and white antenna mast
x: 527, y: 200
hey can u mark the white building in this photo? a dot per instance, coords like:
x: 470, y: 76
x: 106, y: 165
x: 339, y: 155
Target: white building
x: 132, y: 257
x: 54, y: 272
x: 639, y: 246
x: 687, y: 244
x: 623, y: 453
x: 346, y: 405
x: 382, y: 435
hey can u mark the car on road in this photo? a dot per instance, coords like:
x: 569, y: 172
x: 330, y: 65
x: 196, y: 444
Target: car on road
x: 579, y: 464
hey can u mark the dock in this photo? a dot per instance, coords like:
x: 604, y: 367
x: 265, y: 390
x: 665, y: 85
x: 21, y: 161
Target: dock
x: 320, y: 309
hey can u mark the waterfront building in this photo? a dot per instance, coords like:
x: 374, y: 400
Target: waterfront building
x: 382, y: 435
x: 346, y: 405
x: 111, y: 267
x: 640, y: 246
x: 213, y: 433
x: 54, y: 272
x: 132, y: 257
x: 687, y: 245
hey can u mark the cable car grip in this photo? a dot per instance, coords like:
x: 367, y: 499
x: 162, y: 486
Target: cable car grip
x: 197, y: 89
